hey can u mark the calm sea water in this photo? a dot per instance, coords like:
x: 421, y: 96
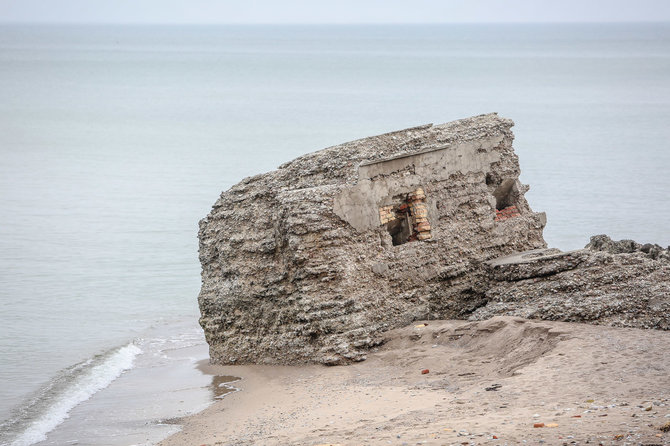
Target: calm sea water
x: 115, y: 141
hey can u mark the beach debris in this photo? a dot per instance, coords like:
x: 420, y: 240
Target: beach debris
x: 425, y: 371
x: 618, y: 437
x: 493, y: 388
x: 495, y: 437
x: 551, y: 425
x: 420, y: 325
x: 576, y: 416
x: 538, y: 425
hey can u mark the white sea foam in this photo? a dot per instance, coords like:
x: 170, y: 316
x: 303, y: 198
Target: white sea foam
x: 79, y: 390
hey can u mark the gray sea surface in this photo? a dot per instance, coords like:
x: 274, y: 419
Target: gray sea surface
x: 116, y: 140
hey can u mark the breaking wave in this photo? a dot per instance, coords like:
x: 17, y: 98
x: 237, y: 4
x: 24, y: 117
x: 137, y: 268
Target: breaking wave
x: 74, y: 385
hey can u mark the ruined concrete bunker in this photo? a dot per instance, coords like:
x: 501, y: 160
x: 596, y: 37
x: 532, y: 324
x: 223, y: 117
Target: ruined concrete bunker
x: 313, y: 262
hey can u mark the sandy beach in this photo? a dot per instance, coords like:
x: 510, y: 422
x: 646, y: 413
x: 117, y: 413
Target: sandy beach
x: 502, y: 381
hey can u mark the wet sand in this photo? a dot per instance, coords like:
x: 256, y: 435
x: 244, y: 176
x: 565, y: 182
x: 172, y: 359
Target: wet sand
x: 488, y: 382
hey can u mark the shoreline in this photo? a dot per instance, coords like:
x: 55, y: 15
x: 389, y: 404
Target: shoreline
x: 489, y: 382
x: 133, y: 399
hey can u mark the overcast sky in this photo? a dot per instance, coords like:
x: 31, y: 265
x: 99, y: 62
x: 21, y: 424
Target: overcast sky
x: 337, y: 11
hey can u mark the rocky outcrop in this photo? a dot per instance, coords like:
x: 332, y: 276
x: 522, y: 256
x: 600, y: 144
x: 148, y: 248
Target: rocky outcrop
x: 604, y: 243
x: 609, y: 283
x: 311, y: 262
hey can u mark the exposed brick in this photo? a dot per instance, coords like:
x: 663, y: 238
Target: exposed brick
x: 424, y: 226
x: 508, y: 212
x: 421, y: 213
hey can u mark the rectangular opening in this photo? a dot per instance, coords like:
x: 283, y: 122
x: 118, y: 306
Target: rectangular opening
x: 407, y: 221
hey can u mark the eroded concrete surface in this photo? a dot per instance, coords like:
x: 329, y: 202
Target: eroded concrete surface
x: 312, y: 262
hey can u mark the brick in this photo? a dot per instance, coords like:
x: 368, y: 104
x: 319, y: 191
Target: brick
x: 424, y: 226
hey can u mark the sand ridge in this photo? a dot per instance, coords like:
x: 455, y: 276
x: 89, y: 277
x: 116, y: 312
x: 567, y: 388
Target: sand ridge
x: 489, y: 382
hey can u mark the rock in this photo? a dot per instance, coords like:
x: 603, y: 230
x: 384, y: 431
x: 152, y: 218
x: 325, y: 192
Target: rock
x: 338, y: 246
x: 314, y: 261
x: 609, y: 283
x: 604, y: 243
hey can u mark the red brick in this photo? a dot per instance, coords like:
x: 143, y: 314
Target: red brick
x: 424, y: 226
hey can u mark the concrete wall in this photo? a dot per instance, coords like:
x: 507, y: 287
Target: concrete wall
x: 380, y: 181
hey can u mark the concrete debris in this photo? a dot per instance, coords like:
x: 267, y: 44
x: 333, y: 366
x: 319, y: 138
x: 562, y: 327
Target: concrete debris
x: 312, y: 262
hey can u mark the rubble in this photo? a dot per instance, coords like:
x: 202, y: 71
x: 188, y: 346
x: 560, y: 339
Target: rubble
x: 624, y: 290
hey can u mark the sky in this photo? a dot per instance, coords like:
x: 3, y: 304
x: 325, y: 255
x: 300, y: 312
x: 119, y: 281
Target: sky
x: 338, y: 11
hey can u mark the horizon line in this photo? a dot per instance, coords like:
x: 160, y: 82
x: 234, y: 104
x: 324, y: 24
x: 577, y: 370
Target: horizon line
x: 557, y: 22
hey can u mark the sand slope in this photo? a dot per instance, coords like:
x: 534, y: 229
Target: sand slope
x: 596, y: 384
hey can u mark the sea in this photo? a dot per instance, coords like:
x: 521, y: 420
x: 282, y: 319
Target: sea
x: 116, y: 140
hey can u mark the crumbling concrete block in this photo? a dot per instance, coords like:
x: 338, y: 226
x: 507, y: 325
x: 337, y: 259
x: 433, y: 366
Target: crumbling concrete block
x: 313, y: 261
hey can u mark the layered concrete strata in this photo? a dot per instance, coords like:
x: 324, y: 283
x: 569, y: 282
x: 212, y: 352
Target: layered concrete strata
x: 311, y: 262
x: 314, y: 261
x: 608, y: 283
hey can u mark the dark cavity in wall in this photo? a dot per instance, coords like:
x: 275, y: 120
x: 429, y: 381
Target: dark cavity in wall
x: 407, y: 221
x: 504, y: 195
x: 399, y: 230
